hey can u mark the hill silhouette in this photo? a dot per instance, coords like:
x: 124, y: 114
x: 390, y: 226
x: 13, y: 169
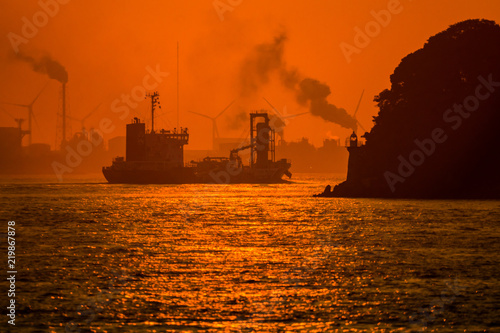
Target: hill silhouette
x: 436, y: 134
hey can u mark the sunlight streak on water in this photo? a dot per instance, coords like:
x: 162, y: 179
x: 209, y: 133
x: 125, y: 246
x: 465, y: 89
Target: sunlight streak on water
x: 246, y: 258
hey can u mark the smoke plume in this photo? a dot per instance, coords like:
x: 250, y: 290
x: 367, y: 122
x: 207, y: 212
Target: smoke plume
x: 45, y: 65
x: 237, y: 119
x: 267, y: 59
x: 316, y: 94
x: 258, y: 66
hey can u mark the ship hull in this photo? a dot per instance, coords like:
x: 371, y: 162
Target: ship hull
x: 179, y: 175
x: 133, y: 173
x: 243, y: 176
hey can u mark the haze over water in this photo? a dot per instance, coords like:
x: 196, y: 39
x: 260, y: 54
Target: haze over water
x: 248, y: 258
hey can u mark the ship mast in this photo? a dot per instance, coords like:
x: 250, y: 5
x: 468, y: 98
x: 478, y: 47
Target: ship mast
x: 154, y: 101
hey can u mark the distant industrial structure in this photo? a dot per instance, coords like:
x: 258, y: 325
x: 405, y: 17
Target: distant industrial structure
x: 38, y: 157
x: 220, y: 144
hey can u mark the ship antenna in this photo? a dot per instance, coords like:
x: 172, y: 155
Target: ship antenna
x: 177, y: 84
x: 154, y: 99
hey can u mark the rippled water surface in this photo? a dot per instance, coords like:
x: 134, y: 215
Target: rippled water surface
x: 94, y: 257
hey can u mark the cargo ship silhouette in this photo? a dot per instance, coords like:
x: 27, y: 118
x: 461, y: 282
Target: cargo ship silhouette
x: 157, y: 157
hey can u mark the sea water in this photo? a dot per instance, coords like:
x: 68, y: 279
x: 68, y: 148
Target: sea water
x: 95, y: 257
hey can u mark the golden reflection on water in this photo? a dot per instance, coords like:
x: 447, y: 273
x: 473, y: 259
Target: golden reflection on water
x: 248, y: 258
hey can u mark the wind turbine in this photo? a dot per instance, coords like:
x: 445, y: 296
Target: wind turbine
x: 215, y: 130
x: 356, y: 111
x: 4, y: 111
x: 282, y: 118
x: 82, y: 121
x: 31, y: 115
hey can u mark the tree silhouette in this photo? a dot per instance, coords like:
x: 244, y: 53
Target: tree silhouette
x: 427, y: 83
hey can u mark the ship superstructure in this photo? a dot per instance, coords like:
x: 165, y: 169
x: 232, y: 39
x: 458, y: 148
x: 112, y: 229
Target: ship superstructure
x: 262, y: 168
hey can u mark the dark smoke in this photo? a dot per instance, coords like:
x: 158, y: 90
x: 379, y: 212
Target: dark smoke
x: 267, y: 59
x: 238, y: 119
x: 316, y: 94
x: 46, y: 65
x: 258, y: 66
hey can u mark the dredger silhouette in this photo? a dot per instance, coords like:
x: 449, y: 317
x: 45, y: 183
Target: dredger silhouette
x: 157, y: 157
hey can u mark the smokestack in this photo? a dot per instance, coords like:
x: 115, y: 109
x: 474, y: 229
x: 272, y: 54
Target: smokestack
x: 45, y: 65
x: 63, y: 114
x: 53, y: 69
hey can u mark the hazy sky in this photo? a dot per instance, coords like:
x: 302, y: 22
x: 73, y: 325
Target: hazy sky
x: 106, y: 45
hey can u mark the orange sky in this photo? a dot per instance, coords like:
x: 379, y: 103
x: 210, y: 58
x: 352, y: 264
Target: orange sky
x: 106, y: 46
